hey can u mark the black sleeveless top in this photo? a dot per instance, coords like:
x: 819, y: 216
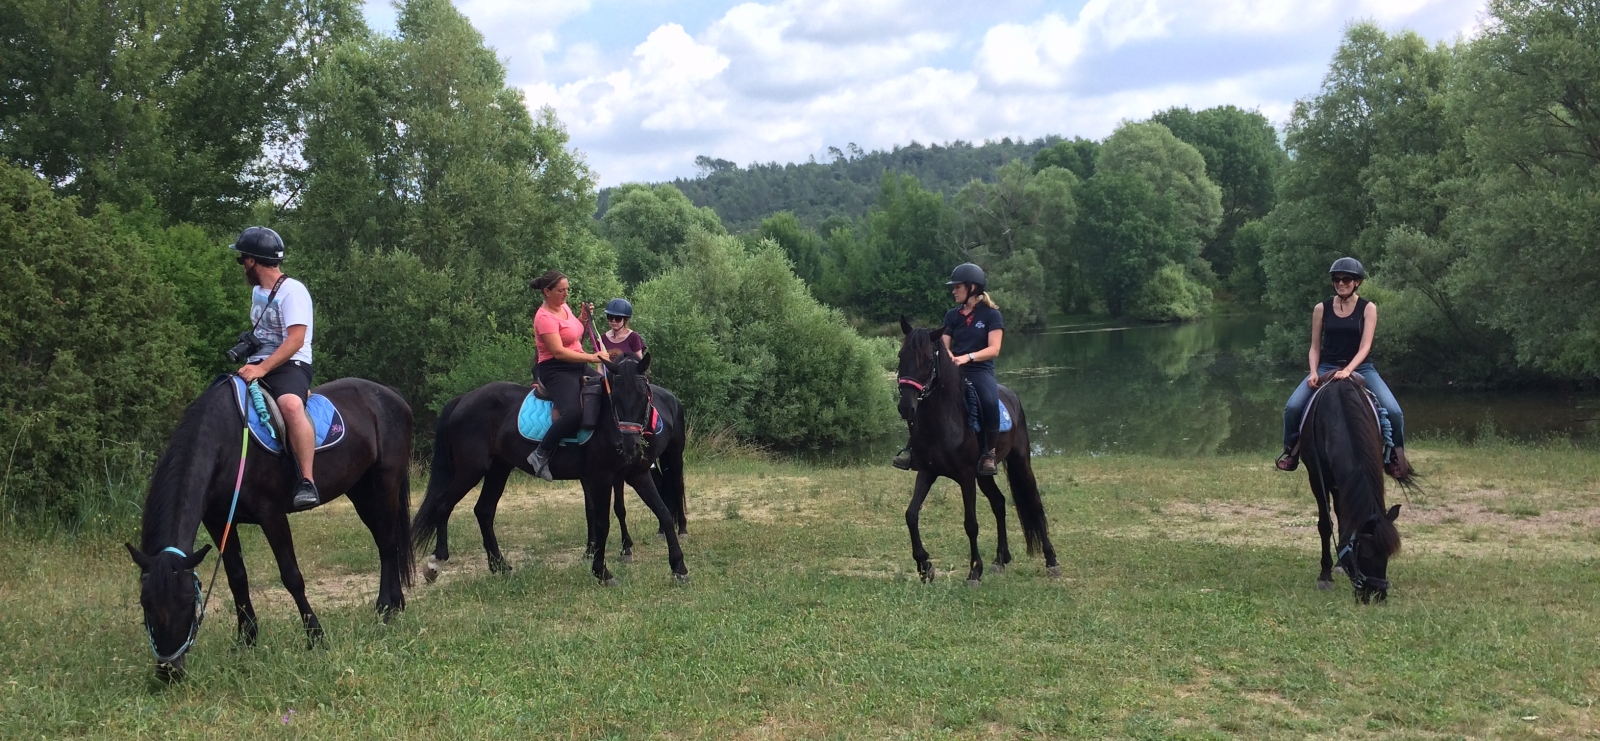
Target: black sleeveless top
x: 1341, y: 336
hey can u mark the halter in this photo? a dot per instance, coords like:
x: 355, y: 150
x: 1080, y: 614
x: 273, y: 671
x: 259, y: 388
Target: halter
x: 923, y: 389
x: 1352, y: 568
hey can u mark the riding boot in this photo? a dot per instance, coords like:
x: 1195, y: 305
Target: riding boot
x: 986, y: 464
x: 1398, y: 466
x: 1289, y: 460
x: 306, y: 495
x: 539, y: 459
x: 902, y: 460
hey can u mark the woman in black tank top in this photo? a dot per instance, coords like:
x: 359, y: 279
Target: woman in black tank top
x: 1342, y: 329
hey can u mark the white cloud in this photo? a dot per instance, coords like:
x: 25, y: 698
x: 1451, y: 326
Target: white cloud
x: 779, y: 81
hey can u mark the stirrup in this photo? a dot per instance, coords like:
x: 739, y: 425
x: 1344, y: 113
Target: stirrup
x: 986, y: 464
x: 1288, y: 460
x: 902, y: 459
x: 306, y: 495
x: 541, y: 464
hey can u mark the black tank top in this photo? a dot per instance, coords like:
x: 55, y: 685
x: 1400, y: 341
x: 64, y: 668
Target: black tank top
x: 1341, y: 336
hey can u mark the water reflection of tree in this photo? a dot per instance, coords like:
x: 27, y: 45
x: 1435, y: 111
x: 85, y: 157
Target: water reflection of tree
x: 1144, y: 389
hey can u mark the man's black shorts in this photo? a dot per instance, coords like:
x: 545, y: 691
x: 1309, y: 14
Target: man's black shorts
x: 293, y: 377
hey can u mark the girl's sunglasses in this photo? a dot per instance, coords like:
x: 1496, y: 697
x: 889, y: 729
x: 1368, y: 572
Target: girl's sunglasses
x: 1343, y: 279
x: 610, y: 318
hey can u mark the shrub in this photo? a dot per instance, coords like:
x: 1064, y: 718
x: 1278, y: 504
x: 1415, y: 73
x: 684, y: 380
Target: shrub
x: 1170, y: 295
x: 737, y: 336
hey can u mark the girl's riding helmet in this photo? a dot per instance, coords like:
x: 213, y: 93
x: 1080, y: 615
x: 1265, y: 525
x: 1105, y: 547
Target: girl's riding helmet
x: 259, y: 241
x: 1348, y: 265
x: 619, y: 307
x: 966, y: 273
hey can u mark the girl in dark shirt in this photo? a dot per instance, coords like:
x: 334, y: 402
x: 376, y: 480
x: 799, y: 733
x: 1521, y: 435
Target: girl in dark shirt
x: 972, y: 335
x: 619, y: 338
x: 1342, y: 328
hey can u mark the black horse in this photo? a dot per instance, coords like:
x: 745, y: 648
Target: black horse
x: 1342, y: 447
x: 194, y: 483
x: 933, y: 400
x: 477, y: 440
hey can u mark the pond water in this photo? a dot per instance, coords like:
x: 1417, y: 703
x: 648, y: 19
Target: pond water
x: 1192, y: 389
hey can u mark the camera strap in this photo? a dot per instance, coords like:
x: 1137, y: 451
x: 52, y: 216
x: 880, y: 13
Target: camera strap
x: 270, y: 297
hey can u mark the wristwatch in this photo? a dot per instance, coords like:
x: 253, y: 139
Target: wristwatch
x: 971, y: 359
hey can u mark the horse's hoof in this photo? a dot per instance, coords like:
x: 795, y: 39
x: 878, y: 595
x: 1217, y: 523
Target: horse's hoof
x: 1323, y: 586
x: 974, y: 582
x: 926, y: 573
x: 1055, y: 571
x: 997, y: 568
x: 681, y: 578
x: 610, y: 582
x: 1338, y: 570
x: 626, y: 558
x: 430, y: 571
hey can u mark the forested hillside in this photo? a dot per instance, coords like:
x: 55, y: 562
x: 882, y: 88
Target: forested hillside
x: 847, y: 186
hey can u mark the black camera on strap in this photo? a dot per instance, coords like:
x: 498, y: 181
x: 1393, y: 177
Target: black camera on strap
x: 249, y: 343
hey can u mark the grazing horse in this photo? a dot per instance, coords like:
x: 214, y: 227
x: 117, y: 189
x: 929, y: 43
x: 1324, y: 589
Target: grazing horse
x: 194, y: 483
x: 477, y: 439
x: 943, y: 443
x: 1342, y: 447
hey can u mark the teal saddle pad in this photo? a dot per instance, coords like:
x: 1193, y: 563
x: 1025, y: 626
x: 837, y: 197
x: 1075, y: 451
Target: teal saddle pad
x: 533, y: 420
x: 325, y: 419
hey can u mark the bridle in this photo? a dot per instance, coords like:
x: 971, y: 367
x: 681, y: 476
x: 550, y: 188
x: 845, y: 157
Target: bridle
x: 641, y: 428
x: 924, y: 389
x: 1352, y: 566
x: 194, y: 628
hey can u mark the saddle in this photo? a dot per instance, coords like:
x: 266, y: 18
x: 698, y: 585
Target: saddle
x: 326, y: 421
x: 538, y: 411
x: 1378, y: 412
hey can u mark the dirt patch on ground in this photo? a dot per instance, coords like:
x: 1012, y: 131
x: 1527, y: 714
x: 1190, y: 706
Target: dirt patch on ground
x: 1473, y: 523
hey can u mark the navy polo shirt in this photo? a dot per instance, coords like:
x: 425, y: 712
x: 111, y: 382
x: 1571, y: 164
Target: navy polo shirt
x: 970, y: 333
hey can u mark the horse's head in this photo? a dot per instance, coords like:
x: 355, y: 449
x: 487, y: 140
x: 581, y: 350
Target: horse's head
x: 169, y: 590
x: 630, y: 399
x: 1366, y: 557
x: 919, y: 366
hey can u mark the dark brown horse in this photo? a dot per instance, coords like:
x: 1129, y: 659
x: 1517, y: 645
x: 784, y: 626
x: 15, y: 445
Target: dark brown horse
x: 477, y: 440
x: 194, y: 483
x: 1342, y: 446
x: 943, y: 443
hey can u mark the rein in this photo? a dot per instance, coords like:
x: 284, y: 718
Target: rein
x: 201, y: 604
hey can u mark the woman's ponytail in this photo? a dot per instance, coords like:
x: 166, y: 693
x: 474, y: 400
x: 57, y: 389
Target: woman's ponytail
x: 989, y: 302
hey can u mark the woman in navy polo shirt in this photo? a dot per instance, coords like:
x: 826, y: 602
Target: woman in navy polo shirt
x: 972, y: 333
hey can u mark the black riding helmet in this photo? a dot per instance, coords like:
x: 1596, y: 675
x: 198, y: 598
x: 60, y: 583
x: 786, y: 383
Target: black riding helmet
x: 259, y: 242
x: 966, y: 273
x: 619, y: 307
x: 1350, y: 266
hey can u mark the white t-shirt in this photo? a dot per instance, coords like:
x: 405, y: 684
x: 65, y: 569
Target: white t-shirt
x: 291, y: 306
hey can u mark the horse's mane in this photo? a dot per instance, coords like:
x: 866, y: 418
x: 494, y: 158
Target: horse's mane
x: 1343, y: 410
x: 161, y: 503
x: 920, y: 340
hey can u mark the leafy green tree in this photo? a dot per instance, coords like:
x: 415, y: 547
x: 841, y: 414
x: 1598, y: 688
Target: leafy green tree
x: 905, y: 255
x: 1016, y: 225
x: 1126, y: 231
x: 89, y: 378
x: 755, y: 353
x: 1077, y: 156
x: 430, y: 197
x: 129, y: 102
x: 648, y: 225
x: 1174, y: 168
x: 804, y: 247
x: 1243, y: 158
x: 1246, y: 279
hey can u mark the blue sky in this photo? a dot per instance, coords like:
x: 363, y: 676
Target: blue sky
x: 644, y: 86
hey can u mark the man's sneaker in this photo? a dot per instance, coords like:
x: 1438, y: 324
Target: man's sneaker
x: 540, y: 460
x: 306, y: 496
x: 1289, y: 460
x: 986, y: 466
x: 902, y: 460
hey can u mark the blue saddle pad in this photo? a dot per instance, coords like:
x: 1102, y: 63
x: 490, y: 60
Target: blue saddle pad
x: 972, y: 412
x: 533, y: 420
x: 325, y: 419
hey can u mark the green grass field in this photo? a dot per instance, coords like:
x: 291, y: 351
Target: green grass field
x: 1187, y: 609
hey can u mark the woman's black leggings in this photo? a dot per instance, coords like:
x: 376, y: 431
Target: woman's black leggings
x: 983, y: 381
x: 563, y: 382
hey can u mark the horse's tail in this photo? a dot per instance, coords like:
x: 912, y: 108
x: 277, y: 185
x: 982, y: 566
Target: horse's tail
x: 402, y: 522
x: 1025, y: 488
x: 671, y: 466
x: 429, y: 513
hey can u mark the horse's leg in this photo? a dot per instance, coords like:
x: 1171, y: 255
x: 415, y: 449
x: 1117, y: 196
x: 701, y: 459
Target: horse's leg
x: 617, y: 502
x: 642, y: 483
x: 276, y: 528
x: 596, y: 495
x: 494, y: 484
x: 1324, y: 528
x: 913, y: 512
x: 969, y: 511
x: 461, y: 483
x: 997, y: 502
x: 238, y: 583
x: 374, y: 500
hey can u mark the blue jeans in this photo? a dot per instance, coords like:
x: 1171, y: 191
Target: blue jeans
x: 1296, y: 408
x: 983, y: 381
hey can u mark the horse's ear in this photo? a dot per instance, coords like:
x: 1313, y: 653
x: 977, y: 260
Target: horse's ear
x: 195, y: 558
x: 1393, y: 514
x: 936, y: 333
x: 139, y: 559
x: 1370, y: 526
x: 905, y: 326
x: 644, y: 364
